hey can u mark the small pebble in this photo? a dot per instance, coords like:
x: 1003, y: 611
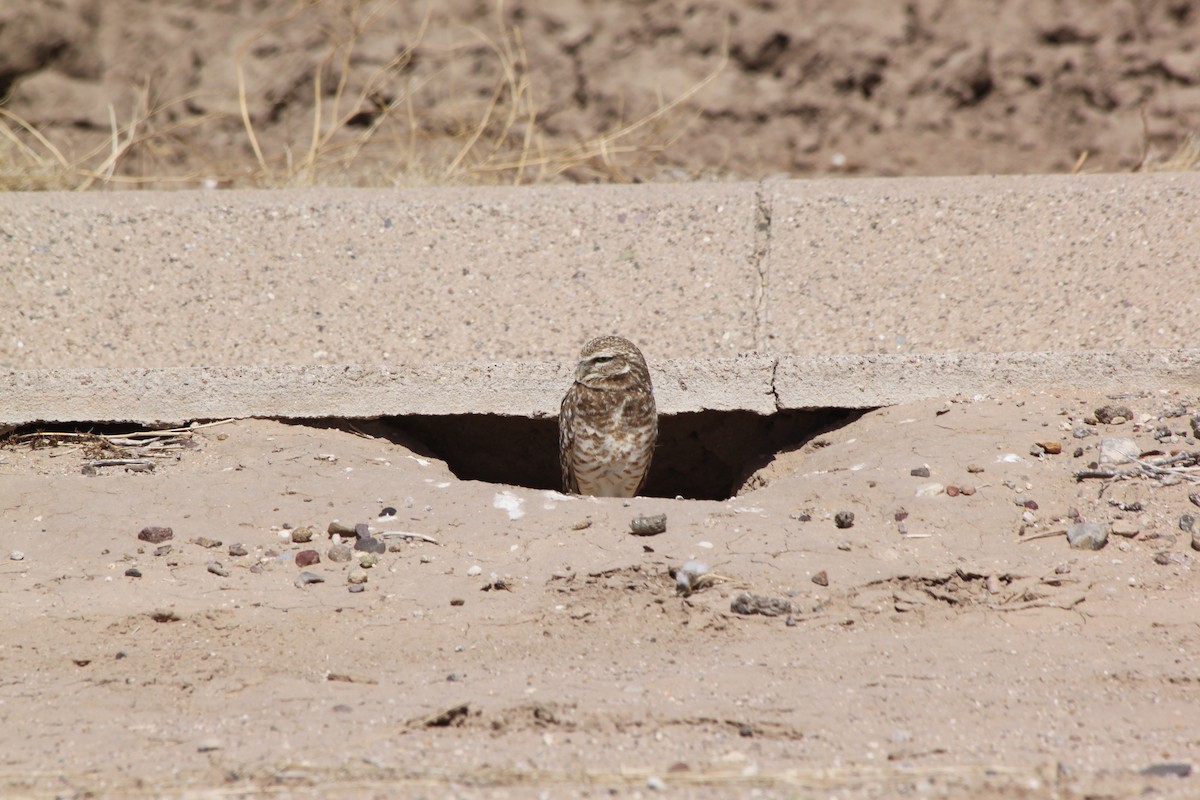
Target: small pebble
x: 930, y: 489
x: 1187, y: 523
x: 133, y: 572
x: 302, y: 535
x: 337, y: 528
x: 1113, y: 414
x: 1168, y: 769
x: 208, y: 745
x: 355, y: 588
x: 844, y: 519
x: 369, y: 560
x: 974, y: 469
x: 952, y: 490
x: 1125, y: 527
x: 162, y: 550
x: 1051, y: 447
x: 1087, y: 535
x: 369, y: 544
x: 656, y: 784
x: 1078, y: 452
x: 474, y: 570
x: 204, y: 541
x: 1167, y: 558
x: 357, y: 576
x: 340, y: 553
x: 237, y: 550
x: 457, y: 601
x: 16, y: 555
x: 920, y: 472
x: 746, y: 603
x: 967, y: 489
x: 155, y: 534
x: 651, y: 525
x: 843, y: 546
x: 821, y: 578
x: 306, y: 558
x: 900, y: 515
x: 216, y: 569
x: 388, y: 511
x: 305, y: 578
x: 1118, y: 450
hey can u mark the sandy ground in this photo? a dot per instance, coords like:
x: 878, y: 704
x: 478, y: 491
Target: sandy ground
x: 939, y: 646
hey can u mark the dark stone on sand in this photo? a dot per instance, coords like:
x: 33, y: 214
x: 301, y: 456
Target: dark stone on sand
x: 155, y: 534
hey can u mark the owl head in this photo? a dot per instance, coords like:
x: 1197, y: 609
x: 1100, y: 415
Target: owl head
x: 611, y: 362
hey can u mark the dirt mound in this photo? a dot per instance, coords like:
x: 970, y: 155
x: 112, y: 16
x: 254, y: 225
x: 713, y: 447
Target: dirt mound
x: 280, y: 93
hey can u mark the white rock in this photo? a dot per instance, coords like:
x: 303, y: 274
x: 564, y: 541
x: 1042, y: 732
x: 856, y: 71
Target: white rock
x: 510, y: 503
x: 1118, y: 450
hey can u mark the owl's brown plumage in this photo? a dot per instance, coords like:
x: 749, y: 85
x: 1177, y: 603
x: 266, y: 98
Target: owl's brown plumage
x: 608, y: 424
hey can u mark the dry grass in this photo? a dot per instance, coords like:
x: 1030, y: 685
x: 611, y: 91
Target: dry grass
x: 35, y: 167
x: 459, y: 139
x: 1185, y: 158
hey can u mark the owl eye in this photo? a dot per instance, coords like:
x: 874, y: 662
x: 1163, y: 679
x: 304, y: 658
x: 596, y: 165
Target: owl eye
x: 603, y: 359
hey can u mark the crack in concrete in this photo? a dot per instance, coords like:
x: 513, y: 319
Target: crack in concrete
x: 774, y: 386
x: 758, y: 259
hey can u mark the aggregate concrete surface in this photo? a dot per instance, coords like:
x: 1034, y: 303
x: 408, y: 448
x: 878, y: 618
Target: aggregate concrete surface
x: 794, y: 268
x: 945, y: 641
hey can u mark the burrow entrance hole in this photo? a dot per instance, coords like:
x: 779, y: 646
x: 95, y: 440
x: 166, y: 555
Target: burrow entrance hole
x: 703, y: 455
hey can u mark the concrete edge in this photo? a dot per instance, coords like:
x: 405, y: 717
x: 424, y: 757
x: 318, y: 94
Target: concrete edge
x: 758, y: 384
x: 874, y: 381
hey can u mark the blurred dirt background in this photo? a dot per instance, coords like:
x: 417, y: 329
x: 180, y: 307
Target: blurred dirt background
x: 279, y: 92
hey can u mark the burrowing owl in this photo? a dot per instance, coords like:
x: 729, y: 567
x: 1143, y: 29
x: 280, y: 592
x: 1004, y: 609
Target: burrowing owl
x: 608, y: 424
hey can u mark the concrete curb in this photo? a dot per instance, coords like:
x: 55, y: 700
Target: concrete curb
x: 757, y: 384
x: 503, y: 274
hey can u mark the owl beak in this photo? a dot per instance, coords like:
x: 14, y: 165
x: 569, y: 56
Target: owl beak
x: 581, y: 370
